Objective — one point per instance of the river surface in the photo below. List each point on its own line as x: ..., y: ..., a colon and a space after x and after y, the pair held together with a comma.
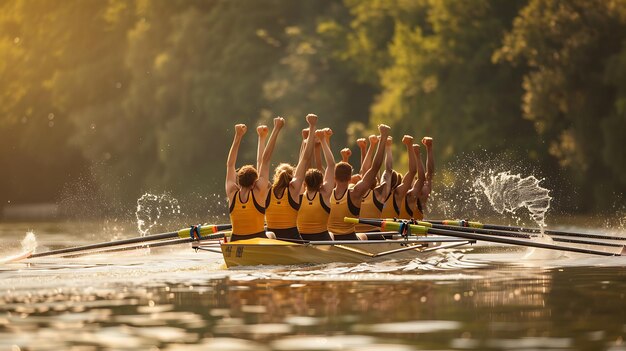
x: 482, y: 297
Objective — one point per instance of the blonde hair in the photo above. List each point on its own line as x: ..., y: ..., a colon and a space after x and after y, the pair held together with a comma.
x: 282, y: 176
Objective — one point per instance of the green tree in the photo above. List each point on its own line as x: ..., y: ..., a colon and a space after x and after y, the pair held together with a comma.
x: 573, y: 88
x: 195, y: 68
x: 50, y: 66
x: 431, y: 63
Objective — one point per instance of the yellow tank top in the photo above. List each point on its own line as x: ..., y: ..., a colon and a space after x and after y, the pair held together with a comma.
x: 313, y: 214
x: 280, y: 213
x: 370, y: 208
x: 416, y: 207
x: 411, y: 210
x: 340, y: 208
x: 390, y: 209
x: 247, y: 217
x: 405, y: 210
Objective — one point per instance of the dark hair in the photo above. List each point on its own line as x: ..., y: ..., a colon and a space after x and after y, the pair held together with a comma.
x: 396, y: 179
x: 282, y: 176
x: 343, y: 171
x: 313, y: 179
x: 246, y: 176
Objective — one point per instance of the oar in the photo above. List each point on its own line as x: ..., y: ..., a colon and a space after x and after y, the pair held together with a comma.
x: 193, y: 233
x: 513, y: 234
x: 471, y: 224
x: 149, y: 245
x: 419, y: 229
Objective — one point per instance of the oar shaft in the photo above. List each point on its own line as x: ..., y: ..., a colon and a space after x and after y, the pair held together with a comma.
x: 107, y: 244
x: 149, y: 245
x: 389, y: 225
x: 472, y: 233
x: 554, y: 232
x: 528, y: 230
x: 183, y: 233
x: 522, y: 235
x: 483, y: 231
x: 519, y: 242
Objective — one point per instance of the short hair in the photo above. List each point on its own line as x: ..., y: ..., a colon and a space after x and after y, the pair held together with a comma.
x: 283, y: 175
x: 313, y: 179
x: 246, y: 176
x: 396, y: 179
x: 343, y: 171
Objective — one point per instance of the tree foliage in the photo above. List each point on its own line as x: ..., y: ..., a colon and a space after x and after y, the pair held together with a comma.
x: 141, y: 95
x: 574, y: 87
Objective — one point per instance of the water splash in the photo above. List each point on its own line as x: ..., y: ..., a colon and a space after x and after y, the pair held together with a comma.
x: 510, y: 192
x: 29, y: 244
x: 151, y: 208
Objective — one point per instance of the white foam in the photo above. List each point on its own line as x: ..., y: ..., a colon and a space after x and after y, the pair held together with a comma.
x: 510, y: 192
x: 29, y: 244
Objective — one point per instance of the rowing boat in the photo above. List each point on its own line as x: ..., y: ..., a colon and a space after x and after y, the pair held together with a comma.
x: 262, y: 251
x: 409, y: 242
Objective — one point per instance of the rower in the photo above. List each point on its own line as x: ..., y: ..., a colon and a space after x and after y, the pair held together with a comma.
x: 427, y: 188
x: 283, y: 199
x: 246, y: 185
x: 314, y: 203
x: 413, y: 205
x: 395, y: 206
x: 345, y: 157
x: 374, y: 200
x: 345, y: 201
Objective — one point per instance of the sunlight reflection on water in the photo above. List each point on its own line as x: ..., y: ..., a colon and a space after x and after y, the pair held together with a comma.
x: 487, y: 297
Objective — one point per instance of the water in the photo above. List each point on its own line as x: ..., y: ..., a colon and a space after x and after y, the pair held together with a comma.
x: 511, y: 192
x: 481, y: 298
x: 484, y: 297
x: 154, y: 209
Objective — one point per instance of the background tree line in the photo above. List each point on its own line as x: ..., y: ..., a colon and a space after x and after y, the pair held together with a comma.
x: 119, y: 97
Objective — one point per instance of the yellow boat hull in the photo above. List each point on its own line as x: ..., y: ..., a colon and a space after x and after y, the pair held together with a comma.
x: 261, y: 251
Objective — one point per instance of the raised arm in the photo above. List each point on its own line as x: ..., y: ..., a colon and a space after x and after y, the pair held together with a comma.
x: 388, y: 156
x: 296, y: 183
x: 360, y: 142
x: 329, y: 175
x: 370, y: 176
x: 419, y: 183
x: 407, y: 181
x: 264, y: 171
x: 369, y: 156
x: 305, y: 136
x: 430, y: 159
x: 385, y: 187
x: 430, y: 170
x: 262, y: 131
x: 318, y: 155
x: 231, y: 173
x: 345, y: 154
